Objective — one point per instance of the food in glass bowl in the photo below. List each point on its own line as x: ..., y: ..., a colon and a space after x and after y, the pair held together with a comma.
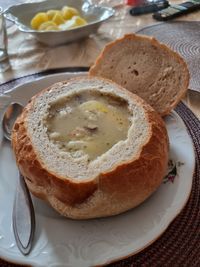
x: 64, y: 19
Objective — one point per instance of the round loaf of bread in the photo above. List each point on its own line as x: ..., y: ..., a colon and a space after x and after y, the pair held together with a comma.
x: 77, y: 185
x: 145, y: 67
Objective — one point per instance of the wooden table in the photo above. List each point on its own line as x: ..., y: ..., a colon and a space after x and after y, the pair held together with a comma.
x: 82, y: 53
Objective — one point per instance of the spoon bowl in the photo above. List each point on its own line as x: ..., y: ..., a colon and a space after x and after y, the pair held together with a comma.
x: 23, y: 216
x: 9, y: 118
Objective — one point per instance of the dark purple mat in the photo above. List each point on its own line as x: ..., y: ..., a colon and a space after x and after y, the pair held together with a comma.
x: 184, y: 38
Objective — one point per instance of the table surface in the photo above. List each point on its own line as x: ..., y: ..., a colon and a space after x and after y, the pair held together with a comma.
x: 27, y: 56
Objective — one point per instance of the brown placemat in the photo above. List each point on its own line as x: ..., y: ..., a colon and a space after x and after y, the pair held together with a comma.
x: 180, y: 244
x: 184, y: 38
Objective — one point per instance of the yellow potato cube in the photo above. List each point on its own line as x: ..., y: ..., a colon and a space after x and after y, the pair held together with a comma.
x: 51, y: 13
x: 69, y: 24
x: 38, y: 19
x: 58, y: 18
x: 69, y: 12
x: 46, y: 25
x: 78, y: 21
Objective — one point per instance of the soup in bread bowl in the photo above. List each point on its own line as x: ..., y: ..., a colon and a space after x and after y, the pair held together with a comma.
x: 90, y: 147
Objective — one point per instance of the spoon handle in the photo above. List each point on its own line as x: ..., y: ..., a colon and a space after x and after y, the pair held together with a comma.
x: 23, y: 217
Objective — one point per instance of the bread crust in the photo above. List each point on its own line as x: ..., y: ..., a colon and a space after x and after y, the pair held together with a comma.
x: 118, y: 189
x: 168, y: 107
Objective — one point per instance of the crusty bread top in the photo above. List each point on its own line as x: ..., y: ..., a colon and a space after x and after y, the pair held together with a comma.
x: 147, y: 68
x: 55, y: 160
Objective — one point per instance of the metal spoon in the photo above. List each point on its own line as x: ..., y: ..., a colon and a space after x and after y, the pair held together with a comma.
x: 23, y: 211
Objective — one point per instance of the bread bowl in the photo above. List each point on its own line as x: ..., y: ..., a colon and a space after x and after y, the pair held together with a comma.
x: 145, y: 67
x: 77, y: 185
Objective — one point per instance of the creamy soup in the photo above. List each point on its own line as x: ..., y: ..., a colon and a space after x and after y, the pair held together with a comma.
x: 88, y: 123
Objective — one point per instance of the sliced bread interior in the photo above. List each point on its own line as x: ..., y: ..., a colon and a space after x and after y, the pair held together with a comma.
x: 112, y: 155
x: 145, y: 67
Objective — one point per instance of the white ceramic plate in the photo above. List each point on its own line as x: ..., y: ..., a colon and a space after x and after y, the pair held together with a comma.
x: 22, y: 14
x: 64, y: 242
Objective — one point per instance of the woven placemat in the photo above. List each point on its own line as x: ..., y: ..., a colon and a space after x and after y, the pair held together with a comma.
x: 180, y: 244
x: 184, y: 38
